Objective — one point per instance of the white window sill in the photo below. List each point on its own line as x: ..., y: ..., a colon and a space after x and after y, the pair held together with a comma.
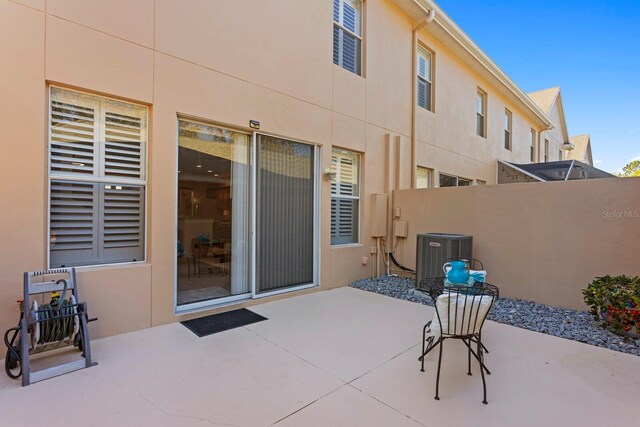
x: 347, y: 245
x: 106, y: 266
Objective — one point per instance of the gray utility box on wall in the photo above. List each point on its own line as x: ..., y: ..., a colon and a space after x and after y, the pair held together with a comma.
x: 434, y: 249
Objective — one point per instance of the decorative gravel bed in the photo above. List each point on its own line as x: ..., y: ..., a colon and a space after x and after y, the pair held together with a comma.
x: 560, y: 322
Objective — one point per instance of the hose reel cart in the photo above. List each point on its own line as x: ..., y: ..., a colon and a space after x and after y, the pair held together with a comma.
x: 48, y: 326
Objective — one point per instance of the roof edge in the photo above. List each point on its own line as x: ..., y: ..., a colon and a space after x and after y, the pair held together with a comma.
x: 448, y: 25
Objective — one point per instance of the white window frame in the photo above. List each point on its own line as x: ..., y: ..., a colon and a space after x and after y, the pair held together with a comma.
x: 546, y: 150
x: 532, y: 145
x: 508, y: 129
x: 430, y: 176
x: 358, y: 35
x: 357, y: 197
x: 458, y: 178
x: 427, y: 55
x: 93, y: 179
x: 481, y: 112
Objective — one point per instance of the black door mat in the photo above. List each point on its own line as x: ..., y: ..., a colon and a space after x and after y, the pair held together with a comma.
x: 215, y: 323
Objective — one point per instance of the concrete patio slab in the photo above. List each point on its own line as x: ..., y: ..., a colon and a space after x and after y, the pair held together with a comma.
x: 341, y: 357
x: 537, y: 380
x: 347, y: 407
x: 344, y: 331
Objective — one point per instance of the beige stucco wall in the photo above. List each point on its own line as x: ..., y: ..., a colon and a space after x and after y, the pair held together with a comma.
x: 540, y: 241
x: 225, y: 64
x: 447, y: 138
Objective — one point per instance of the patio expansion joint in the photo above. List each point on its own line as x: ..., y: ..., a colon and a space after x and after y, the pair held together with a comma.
x: 191, y: 417
x: 345, y: 383
x: 310, y: 403
x: 297, y: 356
x: 350, y: 384
x: 158, y: 408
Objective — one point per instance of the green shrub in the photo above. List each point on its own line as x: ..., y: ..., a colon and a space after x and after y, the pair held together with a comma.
x: 615, y: 301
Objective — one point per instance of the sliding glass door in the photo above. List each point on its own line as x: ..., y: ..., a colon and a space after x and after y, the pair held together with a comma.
x: 247, y: 215
x: 213, y: 213
x: 285, y: 214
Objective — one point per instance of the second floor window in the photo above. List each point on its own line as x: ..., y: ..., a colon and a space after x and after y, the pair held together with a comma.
x: 546, y: 150
x: 481, y: 113
x: 508, y: 119
x: 347, y: 35
x: 559, y: 154
x: 424, y: 72
x: 532, y: 145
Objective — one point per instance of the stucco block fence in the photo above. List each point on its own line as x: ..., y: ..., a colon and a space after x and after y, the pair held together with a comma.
x: 542, y: 242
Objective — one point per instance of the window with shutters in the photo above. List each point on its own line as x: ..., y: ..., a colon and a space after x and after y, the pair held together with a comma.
x: 345, y: 197
x: 347, y: 35
x: 97, y: 179
x: 425, y: 73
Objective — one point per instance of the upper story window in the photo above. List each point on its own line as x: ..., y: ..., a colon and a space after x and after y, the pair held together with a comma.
x: 424, y: 177
x: 97, y: 179
x: 425, y: 73
x: 480, y: 182
x: 345, y: 197
x: 532, y: 145
x: 508, y: 124
x: 559, y: 154
x: 347, y: 35
x: 481, y: 113
x: 546, y: 150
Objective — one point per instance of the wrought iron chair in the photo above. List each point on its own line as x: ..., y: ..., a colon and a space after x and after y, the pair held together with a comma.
x: 473, y: 264
x: 460, y: 314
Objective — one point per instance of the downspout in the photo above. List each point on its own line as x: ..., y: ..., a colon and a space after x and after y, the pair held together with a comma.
x: 414, y: 92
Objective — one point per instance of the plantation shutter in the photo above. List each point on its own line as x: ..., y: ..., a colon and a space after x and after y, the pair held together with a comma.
x: 122, y: 223
x: 73, y: 222
x: 97, y: 179
x: 344, y: 198
x: 124, y: 134
x: 347, y: 33
x: 74, y: 130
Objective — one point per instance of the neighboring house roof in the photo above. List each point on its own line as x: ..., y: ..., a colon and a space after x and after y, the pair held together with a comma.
x: 545, y: 98
x: 452, y: 36
x: 564, y: 170
x: 581, y: 149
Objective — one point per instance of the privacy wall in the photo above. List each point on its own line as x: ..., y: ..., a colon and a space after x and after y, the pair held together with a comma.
x: 540, y: 241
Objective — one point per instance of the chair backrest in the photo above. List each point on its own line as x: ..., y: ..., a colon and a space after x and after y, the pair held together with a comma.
x: 460, y: 310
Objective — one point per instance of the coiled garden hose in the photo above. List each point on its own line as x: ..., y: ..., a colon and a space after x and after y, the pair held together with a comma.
x: 54, y: 327
x: 56, y: 321
x: 12, y: 359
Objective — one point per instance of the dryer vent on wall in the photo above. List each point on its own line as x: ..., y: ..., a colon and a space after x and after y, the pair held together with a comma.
x: 434, y: 249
